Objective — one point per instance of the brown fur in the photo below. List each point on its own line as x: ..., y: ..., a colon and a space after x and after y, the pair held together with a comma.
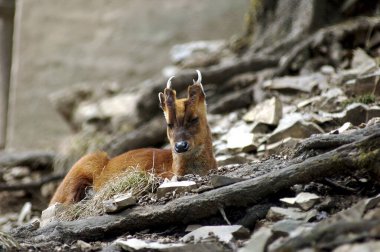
x: 97, y: 169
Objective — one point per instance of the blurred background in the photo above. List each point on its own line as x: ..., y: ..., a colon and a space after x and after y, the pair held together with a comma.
x: 64, y: 43
x: 77, y: 76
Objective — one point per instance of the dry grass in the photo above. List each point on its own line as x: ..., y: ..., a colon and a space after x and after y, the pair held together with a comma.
x: 133, y: 180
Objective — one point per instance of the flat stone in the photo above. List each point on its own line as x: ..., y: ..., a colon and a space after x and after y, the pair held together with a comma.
x: 192, y: 227
x: 362, y: 62
x: 49, y: 214
x: 258, y: 241
x: 356, y: 113
x: 219, y: 181
x: 285, y: 227
x: 363, y: 85
x: 141, y: 245
x: 309, y: 101
x: 119, y: 202
x: 239, y: 158
x: 279, y: 213
x: 304, y: 200
x: 225, y: 234
x: 293, y: 126
x: 260, y: 128
x: 175, y: 187
x: 268, y: 112
x: 296, y: 83
x: 240, y: 139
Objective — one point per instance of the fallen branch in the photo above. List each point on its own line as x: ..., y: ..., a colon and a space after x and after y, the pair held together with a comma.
x: 331, y: 141
x: 31, y: 185
x: 362, y: 154
x: 36, y: 160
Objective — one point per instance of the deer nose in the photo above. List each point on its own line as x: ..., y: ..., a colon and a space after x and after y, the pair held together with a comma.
x: 181, y: 146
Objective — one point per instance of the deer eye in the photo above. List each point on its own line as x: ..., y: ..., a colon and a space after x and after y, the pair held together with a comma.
x: 194, y: 120
x: 170, y: 125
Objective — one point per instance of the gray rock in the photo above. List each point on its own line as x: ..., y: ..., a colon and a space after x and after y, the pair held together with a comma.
x: 285, y: 227
x: 141, y: 245
x: 357, y: 247
x: 258, y: 241
x: 219, y: 181
x: 239, y: 158
x: 355, y: 113
x: 177, y: 187
x: 304, y: 200
x: 268, y: 112
x: 240, y: 139
x: 297, y: 83
x: 182, y: 52
x: 346, y: 126
x: 49, y: 214
x: 260, y: 128
x: 364, y: 84
x: 327, y: 70
x: 288, y: 143
x: 119, y: 202
x: 225, y: 234
x: 111, y: 109
x: 279, y: 213
x: 293, y: 126
x: 362, y: 63
x: 191, y: 228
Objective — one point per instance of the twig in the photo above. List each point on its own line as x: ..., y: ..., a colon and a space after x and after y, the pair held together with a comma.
x: 339, y: 186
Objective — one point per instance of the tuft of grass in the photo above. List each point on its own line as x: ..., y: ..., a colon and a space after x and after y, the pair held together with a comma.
x: 133, y: 180
x: 365, y: 99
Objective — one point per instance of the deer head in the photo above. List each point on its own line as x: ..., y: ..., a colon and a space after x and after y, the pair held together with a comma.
x: 187, y: 128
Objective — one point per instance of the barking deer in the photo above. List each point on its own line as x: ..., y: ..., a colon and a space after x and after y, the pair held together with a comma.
x: 190, y: 153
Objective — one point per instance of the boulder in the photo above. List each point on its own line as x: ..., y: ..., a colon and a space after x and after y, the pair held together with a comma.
x: 294, y: 126
x: 267, y: 112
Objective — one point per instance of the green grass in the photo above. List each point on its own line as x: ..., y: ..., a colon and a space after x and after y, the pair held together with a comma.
x: 365, y: 99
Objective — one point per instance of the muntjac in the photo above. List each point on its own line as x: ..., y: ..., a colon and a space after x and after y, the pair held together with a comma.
x: 190, y: 140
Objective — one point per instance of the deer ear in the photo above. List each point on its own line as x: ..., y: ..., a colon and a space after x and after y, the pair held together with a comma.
x: 195, y: 93
x: 161, y: 97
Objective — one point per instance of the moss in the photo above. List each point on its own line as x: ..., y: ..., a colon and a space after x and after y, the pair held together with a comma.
x: 367, y: 158
x: 365, y: 99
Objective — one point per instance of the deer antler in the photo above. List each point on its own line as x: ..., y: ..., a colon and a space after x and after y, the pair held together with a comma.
x: 169, y: 83
x: 199, y: 77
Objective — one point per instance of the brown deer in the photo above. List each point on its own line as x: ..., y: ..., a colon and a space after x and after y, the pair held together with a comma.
x: 190, y: 140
